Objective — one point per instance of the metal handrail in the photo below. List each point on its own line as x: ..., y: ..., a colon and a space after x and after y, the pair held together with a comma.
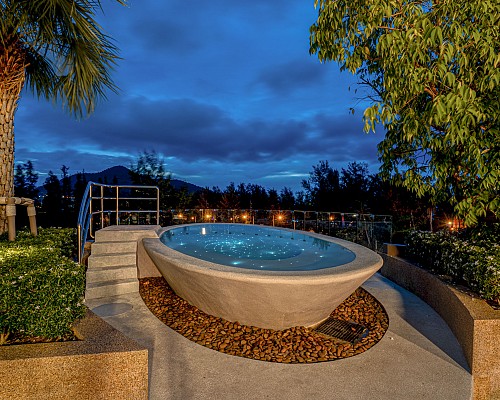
x: 87, y: 213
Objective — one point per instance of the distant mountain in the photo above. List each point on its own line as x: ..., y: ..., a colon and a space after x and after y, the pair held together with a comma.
x: 120, y: 175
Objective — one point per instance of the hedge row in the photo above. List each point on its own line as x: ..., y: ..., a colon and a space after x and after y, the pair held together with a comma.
x: 473, y: 259
x: 41, y: 287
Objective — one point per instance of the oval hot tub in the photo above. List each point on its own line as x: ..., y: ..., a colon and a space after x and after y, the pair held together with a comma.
x: 261, y: 276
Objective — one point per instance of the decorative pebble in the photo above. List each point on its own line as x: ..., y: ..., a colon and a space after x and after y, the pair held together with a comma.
x: 297, y: 344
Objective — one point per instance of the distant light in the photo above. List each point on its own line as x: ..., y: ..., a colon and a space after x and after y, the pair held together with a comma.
x: 203, y: 231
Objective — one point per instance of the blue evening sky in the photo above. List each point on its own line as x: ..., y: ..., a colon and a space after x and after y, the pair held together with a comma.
x: 224, y: 91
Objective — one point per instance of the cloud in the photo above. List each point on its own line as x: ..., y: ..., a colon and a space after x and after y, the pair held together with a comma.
x: 199, y: 141
x: 190, y: 130
x: 225, y: 91
x: 296, y: 75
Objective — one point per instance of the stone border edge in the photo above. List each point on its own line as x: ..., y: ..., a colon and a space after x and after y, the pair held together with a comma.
x: 105, y: 364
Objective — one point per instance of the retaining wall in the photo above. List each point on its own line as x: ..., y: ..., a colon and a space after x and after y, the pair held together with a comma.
x: 475, y: 324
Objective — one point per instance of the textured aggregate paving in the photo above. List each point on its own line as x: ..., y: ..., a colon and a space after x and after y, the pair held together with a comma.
x: 293, y: 345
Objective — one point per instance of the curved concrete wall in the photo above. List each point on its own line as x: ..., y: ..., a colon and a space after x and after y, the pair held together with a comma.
x: 475, y: 324
x: 267, y: 299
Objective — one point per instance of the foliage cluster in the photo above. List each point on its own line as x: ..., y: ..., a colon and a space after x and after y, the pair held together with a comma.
x: 432, y: 69
x: 67, y: 56
x: 61, y: 202
x: 41, y: 287
x: 470, y: 258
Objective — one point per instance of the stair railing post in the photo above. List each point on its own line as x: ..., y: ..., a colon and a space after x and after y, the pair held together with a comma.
x: 117, y: 207
x: 102, y: 207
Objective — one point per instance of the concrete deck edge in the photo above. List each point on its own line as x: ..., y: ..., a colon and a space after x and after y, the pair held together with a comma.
x: 105, y: 364
x: 474, y: 323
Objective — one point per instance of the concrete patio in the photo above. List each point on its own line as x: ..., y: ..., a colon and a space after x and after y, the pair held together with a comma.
x: 418, y: 358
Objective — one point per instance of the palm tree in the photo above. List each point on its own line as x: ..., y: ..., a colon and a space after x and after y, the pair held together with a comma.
x: 59, y: 50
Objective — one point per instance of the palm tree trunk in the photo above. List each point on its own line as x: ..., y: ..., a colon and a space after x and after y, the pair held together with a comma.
x: 12, y: 67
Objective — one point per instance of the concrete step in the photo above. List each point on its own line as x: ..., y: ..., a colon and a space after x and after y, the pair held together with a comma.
x: 114, y: 247
x: 120, y: 233
x: 111, y: 259
x: 103, y: 274
x: 111, y: 288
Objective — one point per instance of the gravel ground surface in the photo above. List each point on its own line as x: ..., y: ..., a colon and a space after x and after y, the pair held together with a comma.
x: 293, y: 345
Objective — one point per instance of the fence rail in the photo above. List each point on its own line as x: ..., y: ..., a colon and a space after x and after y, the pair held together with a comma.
x: 104, y: 205
x: 371, y: 230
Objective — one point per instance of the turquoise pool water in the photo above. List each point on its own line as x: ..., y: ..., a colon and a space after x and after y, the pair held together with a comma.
x: 256, y: 247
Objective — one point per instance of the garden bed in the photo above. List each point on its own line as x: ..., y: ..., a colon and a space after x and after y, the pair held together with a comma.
x: 292, y: 345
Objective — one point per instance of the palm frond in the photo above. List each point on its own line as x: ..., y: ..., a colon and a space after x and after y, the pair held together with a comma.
x: 70, y: 58
x: 40, y: 75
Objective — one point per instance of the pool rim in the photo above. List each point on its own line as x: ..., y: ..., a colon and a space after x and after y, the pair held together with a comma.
x: 363, y: 256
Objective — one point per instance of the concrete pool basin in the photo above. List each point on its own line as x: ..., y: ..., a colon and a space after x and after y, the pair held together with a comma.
x: 263, y: 298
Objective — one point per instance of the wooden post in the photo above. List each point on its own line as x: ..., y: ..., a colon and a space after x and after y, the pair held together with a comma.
x: 32, y: 217
x: 11, y: 217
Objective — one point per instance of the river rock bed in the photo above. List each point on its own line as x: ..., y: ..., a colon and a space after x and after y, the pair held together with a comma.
x: 293, y: 345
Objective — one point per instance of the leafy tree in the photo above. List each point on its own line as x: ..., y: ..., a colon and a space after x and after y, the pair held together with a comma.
x: 183, y: 199
x: 52, y: 201
x: 433, y: 68
x: 323, y: 187
x: 354, y: 182
x: 20, y: 181
x: 287, y: 199
x: 25, y: 181
x: 301, y: 200
x: 258, y: 196
x: 31, y: 180
x: 244, y: 196
x: 273, y: 199
x: 203, y: 198
x: 230, y: 198
x: 79, y: 190
x: 59, y: 50
x: 149, y: 170
x: 66, y: 192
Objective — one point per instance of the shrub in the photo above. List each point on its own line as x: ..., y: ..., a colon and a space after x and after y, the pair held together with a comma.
x: 41, y: 287
x: 469, y: 257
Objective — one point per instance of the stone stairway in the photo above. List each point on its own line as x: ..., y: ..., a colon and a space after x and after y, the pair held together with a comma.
x: 112, y: 264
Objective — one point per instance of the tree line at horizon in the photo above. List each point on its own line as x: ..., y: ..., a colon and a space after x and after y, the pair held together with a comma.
x: 351, y: 189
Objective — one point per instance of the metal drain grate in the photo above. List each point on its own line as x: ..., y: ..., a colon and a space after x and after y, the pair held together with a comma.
x: 343, y: 330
